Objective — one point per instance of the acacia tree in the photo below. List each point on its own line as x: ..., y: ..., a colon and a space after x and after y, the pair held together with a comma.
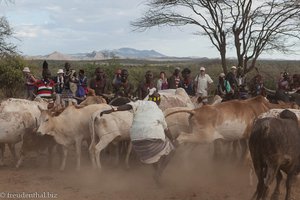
x: 6, y: 33
x: 251, y: 27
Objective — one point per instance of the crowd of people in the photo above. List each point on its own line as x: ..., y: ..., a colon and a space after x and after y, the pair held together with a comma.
x: 150, y: 137
x: 70, y: 84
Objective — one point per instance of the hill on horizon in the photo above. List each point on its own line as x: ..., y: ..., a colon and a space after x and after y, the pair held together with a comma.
x: 123, y: 53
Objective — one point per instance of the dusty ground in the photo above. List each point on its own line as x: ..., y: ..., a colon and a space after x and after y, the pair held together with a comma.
x: 187, y: 177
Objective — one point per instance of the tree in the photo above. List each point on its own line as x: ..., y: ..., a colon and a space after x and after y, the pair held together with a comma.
x: 6, y: 33
x: 11, y: 76
x: 250, y: 27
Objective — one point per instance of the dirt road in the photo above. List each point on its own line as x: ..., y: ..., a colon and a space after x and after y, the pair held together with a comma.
x: 189, y: 176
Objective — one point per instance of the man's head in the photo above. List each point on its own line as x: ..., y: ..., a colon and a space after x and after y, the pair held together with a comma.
x: 67, y: 66
x: 202, y: 70
x: 81, y: 72
x: 155, y: 97
x: 99, y: 73
x: 222, y: 75
x: 186, y: 73
x: 124, y: 75
x: 177, y: 71
x: 149, y: 76
x: 26, y: 70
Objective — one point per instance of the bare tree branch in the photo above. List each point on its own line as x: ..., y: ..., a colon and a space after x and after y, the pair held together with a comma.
x: 251, y: 27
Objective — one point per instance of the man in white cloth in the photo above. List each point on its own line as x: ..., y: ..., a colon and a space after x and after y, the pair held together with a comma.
x: 202, y: 84
x: 149, y: 134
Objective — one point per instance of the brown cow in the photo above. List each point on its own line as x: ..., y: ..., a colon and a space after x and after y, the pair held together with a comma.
x: 231, y: 120
x: 274, y: 147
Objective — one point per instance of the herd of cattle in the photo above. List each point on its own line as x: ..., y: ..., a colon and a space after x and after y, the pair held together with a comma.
x: 273, y: 135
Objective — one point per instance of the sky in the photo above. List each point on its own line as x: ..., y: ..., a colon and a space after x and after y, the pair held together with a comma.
x: 77, y: 26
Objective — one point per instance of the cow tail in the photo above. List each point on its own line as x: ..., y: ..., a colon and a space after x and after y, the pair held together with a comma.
x: 92, y: 131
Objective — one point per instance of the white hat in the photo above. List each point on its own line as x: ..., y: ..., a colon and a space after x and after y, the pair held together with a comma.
x: 26, y: 69
x: 202, y: 69
x: 60, y: 71
x: 233, y: 67
x: 177, y: 68
x: 222, y: 75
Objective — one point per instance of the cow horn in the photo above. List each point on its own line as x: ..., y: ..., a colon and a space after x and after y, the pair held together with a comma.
x: 191, y: 112
x: 40, y: 108
x: 270, y: 91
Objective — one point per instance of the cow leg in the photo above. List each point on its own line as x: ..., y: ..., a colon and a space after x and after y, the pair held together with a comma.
x: 244, y: 149
x: 217, y: 149
x: 64, y: 158
x: 2, y: 149
x: 271, y: 173
x: 78, y: 153
x: 290, y: 182
x: 59, y: 150
x: 129, y: 148
x: 117, y: 152
x: 13, y: 151
x: 103, y: 142
x: 21, y: 159
x: 50, y: 155
x: 258, y: 166
x: 275, y: 195
x: 235, y: 145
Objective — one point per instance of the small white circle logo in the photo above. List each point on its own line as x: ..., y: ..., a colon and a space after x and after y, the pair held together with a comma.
x: 2, y: 195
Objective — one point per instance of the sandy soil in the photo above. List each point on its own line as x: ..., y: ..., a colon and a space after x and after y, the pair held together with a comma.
x: 190, y: 175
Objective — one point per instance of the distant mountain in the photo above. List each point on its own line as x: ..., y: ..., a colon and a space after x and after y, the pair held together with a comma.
x: 133, y: 53
x: 104, y: 54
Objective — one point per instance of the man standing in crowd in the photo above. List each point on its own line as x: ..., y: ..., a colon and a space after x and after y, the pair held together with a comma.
x: 29, y: 83
x: 45, y: 88
x: 187, y: 83
x: 100, y: 83
x: 202, y: 84
x: 173, y: 81
x: 232, y: 79
x: 145, y: 86
x: 123, y: 88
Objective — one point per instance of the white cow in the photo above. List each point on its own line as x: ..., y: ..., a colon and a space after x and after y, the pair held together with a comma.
x: 69, y: 127
x: 174, y: 98
x: 15, y: 116
x: 108, y: 128
x: 177, y: 122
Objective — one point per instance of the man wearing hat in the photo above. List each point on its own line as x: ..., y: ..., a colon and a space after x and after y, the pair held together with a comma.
x: 174, y: 80
x: 29, y: 83
x: 149, y: 134
x: 202, y: 84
